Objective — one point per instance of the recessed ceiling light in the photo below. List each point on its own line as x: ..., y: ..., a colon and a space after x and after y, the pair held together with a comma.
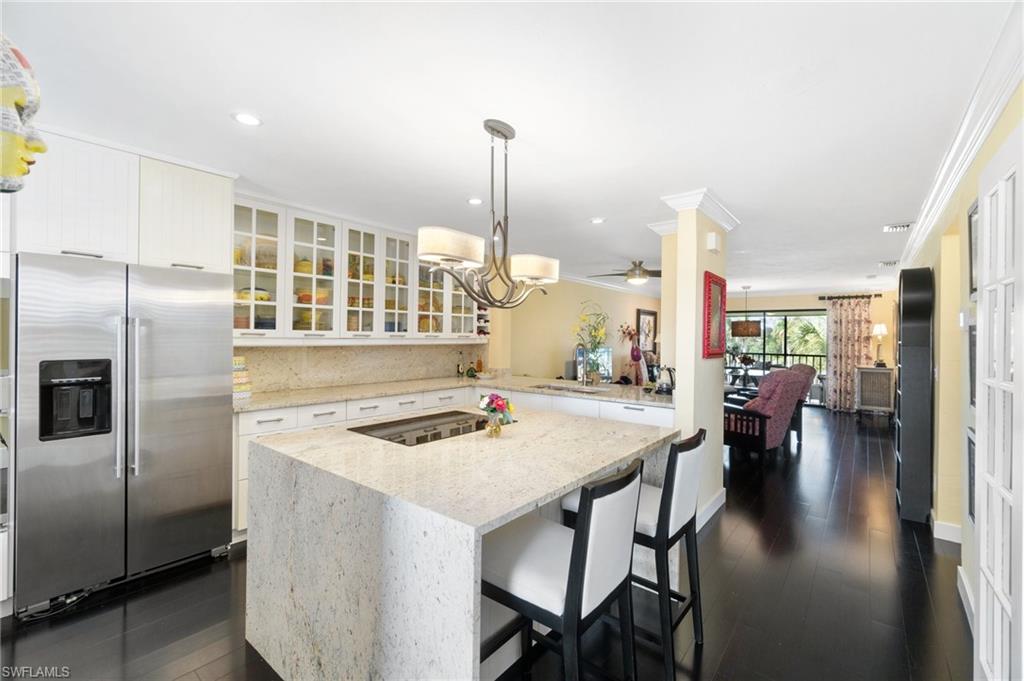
x: 474, y: 201
x: 247, y: 118
x: 596, y: 221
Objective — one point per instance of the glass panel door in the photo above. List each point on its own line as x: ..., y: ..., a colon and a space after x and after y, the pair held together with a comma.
x: 463, y: 311
x: 314, y: 246
x: 430, y: 301
x: 396, y: 285
x: 360, y: 277
x: 255, y: 269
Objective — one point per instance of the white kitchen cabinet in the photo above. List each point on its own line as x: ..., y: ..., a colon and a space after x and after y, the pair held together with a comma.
x: 314, y: 242
x: 457, y: 397
x: 531, y: 401
x: 431, y: 302
x: 576, y: 406
x: 635, y: 413
x: 321, y: 414
x: 184, y: 217
x: 258, y: 269
x: 360, y: 287
x: 460, y: 319
x: 242, y: 505
x: 267, y: 421
x: 399, y: 261
x: 5, y: 570
x: 81, y: 199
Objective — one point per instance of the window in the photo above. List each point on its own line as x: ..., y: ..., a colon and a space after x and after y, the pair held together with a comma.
x: 787, y: 338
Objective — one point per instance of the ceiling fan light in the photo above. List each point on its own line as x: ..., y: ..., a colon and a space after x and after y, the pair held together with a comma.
x: 636, y: 279
x: 449, y: 247
x: 534, y: 269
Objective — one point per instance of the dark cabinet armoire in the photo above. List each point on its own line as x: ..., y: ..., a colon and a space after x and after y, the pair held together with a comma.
x: 914, y: 394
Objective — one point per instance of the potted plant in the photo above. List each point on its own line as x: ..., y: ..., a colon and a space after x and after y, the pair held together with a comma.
x: 591, y: 333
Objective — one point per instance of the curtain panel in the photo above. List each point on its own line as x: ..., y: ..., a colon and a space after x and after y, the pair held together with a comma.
x: 849, y: 346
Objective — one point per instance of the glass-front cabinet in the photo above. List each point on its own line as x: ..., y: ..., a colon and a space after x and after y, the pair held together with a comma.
x: 360, y: 285
x: 314, y: 243
x: 430, y: 302
x: 397, y: 285
x: 463, y: 313
x: 259, y: 242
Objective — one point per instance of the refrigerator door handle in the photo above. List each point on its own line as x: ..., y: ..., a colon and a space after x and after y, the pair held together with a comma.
x: 136, y: 400
x: 120, y: 386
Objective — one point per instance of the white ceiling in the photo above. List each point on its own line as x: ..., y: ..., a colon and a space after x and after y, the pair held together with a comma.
x: 814, y: 124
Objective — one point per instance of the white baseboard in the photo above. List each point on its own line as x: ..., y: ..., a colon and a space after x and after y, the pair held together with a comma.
x: 708, y: 510
x: 966, y: 599
x: 945, y: 531
x: 6, y: 607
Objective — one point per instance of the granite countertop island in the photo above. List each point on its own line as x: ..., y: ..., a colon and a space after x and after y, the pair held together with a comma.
x: 364, y: 555
x: 629, y: 394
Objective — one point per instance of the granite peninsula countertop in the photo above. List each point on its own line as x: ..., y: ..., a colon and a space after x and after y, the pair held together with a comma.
x: 479, y: 481
x: 277, y: 399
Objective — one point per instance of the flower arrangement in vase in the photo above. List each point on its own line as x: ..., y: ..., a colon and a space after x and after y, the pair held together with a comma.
x: 499, y: 412
x: 629, y: 334
x: 591, y: 332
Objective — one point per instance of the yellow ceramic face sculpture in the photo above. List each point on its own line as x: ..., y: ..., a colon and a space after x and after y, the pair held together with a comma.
x: 19, y: 102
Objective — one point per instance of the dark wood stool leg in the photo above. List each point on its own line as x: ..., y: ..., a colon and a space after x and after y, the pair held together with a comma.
x: 572, y: 661
x: 665, y: 608
x: 626, y: 630
x: 694, y: 570
x: 525, y: 644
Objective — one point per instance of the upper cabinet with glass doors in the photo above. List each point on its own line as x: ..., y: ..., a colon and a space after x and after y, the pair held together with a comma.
x: 430, y: 302
x: 361, y: 279
x: 463, y: 312
x: 314, y: 244
x: 259, y: 243
x: 398, y: 266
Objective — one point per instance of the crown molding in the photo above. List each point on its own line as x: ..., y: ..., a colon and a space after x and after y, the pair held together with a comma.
x: 1002, y: 75
x: 621, y: 288
x: 665, y: 227
x: 706, y: 202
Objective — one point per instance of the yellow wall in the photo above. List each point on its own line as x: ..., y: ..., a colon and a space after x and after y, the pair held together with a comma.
x: 541, y: 328
x: 883, y: 310
x: 953, y: 413
x: 499, y: 343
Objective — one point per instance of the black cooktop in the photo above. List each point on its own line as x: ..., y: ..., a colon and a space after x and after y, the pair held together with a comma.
x: 419, y: 430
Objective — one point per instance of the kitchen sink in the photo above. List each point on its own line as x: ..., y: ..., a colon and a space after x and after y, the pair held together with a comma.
x: 587, y: 390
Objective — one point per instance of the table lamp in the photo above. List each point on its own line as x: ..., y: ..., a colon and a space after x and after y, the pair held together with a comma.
x: 879, y: 331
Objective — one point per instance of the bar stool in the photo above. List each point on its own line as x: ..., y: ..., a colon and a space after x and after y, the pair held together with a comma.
x: 566, y: 579
x: 664, y: 516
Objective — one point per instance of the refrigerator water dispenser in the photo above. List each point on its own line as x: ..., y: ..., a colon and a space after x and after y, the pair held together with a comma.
x: 74, y: 398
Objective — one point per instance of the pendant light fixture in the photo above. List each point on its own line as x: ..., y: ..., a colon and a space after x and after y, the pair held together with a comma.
x: 746, y: 328
x: 492, y: 281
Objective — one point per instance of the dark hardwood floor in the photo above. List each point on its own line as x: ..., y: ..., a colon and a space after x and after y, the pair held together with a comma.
x: 807, y: 574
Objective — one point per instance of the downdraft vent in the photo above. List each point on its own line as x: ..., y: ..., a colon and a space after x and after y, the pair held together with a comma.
x: 897, y: 227
x: 888, y: 263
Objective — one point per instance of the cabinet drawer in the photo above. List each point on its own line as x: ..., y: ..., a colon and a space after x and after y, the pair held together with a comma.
x: 242, y: 505
x: 266, y: 421
x: 576, y: 406
x: 364, y: 409
x: 458, y: 397
x: 320, y: 414
x: 635, y: 413
x: 531, y: 401
x: 410, y: 402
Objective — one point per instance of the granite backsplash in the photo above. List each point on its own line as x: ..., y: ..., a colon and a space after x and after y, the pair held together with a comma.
x: 318, y: 367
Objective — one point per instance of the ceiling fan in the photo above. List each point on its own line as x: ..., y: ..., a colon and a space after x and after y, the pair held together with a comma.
x: 635, y: 274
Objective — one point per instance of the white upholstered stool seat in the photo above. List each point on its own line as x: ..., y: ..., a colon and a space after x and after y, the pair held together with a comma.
x: 529, y: 558
x: 646, y: 513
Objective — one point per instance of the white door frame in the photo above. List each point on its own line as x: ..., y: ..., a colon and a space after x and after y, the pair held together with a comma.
x: 999, y: 471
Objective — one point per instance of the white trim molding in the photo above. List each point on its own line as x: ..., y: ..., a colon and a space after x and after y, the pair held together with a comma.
x: 664, y: 228
x: 708, y: 510
x: 706, y: 202
x: 966, y: 598
x: 622, y: 288
x: 1002, y: 75
x: 947, y: 532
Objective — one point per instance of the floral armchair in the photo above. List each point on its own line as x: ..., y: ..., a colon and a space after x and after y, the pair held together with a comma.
x: 763, y: 423
x: 809, y: 373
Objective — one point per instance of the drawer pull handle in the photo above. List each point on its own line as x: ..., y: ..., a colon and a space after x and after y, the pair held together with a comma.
x: 634, y: 408
x: 188, y: 266
x: 406, y: 403
x: 369, y: 406
x: 260, y: 422
x: 431, y: 335
x: 253, y: 333
x: 445, y: 397
x: 318, y: 414
x: 360, y: 335
x: 397, y: 335
x: 87, y: 254
x: 317, y: 335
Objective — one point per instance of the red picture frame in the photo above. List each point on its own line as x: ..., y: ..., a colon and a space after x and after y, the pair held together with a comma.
x: 714, y: 316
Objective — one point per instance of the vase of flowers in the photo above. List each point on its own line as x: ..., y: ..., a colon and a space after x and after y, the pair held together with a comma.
x: 592, y: 333
x: 499, y: 413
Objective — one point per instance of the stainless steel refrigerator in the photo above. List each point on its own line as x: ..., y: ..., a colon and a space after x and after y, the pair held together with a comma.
x: 122, y: 421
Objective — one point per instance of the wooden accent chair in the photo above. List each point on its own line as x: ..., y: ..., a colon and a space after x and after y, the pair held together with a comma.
x: 762, y: 424
x: 809, y: 373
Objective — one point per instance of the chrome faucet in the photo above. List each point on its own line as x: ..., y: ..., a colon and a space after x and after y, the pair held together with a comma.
x: 581, y: 369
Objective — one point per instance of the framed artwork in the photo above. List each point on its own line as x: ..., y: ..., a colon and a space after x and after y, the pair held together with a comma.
x: 714, y: 315
x: 647, y: 327
x: 973, y: 235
